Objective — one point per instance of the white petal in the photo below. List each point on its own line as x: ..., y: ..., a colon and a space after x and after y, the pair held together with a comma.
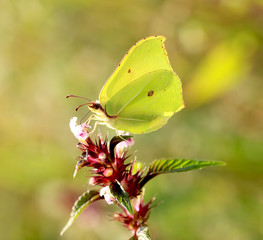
x: 79, y: 131
x: 105, y: 192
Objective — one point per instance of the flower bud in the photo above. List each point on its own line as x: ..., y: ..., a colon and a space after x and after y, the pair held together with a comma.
x: 108, y: 172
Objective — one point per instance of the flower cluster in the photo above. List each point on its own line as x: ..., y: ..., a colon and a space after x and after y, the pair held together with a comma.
x: 137, y: 220
x: 107, y: 163
x: 121, y: 182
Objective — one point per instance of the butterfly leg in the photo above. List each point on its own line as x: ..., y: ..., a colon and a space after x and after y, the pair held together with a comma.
x: 91, y: 117
x: 94, y: 127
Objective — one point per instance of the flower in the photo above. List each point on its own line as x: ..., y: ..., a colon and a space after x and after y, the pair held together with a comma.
x: 131, y: 180
x: 106, y: 193
x: 106, y: 160
x: 79, y: 131
x: 122, y: 147
x: 139, y: 217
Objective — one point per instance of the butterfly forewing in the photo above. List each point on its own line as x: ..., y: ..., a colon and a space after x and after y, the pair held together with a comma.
x: 145, y: 56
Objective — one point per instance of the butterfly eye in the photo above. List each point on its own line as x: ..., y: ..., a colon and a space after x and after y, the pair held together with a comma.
x: 95, y: 105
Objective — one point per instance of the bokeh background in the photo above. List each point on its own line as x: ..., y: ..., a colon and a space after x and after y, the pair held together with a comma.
x: 49, y: 49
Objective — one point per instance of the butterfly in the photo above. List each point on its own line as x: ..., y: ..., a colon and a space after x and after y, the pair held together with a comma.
x: 142, y: 93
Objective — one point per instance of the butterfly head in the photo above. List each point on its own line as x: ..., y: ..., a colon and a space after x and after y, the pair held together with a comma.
x: 99, y: 113
x: 96, y: 108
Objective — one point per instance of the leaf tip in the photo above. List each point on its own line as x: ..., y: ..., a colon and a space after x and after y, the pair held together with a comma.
x: 219, y: 163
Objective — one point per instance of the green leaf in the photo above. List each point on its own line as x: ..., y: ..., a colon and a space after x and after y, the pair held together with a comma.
x: 179, y: 165
x: 121, y: 196
x: 82, y: 203
x: 175, y: 165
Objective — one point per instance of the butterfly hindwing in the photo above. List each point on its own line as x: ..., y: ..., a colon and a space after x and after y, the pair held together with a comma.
x: 147, y: 103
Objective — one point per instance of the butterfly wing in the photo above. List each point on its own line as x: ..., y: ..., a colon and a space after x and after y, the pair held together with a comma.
x: 145, y: 56
x: 147, y: 103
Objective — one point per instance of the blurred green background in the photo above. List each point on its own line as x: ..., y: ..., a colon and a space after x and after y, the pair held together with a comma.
x: 52, y: 48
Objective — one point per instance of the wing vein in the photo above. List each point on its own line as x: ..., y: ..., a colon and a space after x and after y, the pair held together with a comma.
x: 125, y: 105
x: 144, y: 106
x: 133, y: 119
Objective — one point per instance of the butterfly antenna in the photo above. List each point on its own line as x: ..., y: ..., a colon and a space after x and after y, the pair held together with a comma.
x: 77, y: 108
x: 80, y: 122
x: 68, y: 96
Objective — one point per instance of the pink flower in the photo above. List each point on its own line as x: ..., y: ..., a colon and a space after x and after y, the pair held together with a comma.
x: 139, y: 217
x: 122, y: 147
x: 79, y: 131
